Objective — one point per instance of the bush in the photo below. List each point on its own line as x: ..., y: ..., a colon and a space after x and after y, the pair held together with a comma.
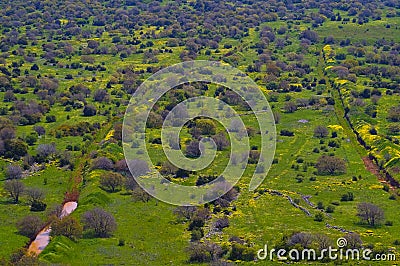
x: 204, y: 252
x: 287, y: 133
x: 89, y: 110
x: 139, y: 194
x: 222, y: 223
x: 111, y: 181
x: 349, y: 196
x: 196, y: 234
x: 121, y: 242
x: 38, y: 206
x: 386, y: 188
x: 319, y: 217
x: 193, y: 150
x: 330, y: 209
x: 51, y: 118
x: 242, y: 252
x: 68, y: 226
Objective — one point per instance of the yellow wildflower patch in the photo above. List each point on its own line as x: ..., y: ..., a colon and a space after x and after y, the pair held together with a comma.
x: 110, y: 134
x: 376, y: 187
x: 341, y: 81
x: 335, y: 127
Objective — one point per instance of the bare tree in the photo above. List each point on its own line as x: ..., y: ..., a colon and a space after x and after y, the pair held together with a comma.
x: 290, y: 107
x: 277, y: 116
x: 102, y: 163
x: 130, y: 183
x: 35, y: 195
x: 180, y: 114
x: 321, y: 132
x: 185, y: 212
x: 139, y: 194
x: 46, y: 150
x: 221, y: 141
x: 330, y: 165
x: 323, y: 241
x: 353, y: 240
x: 235, y: 125
x: 304, y: 239
x: 138, y: 167
x: 100, y: 221
x: 100, y: 95
x: 13, y: 171
x: 370, y: 213
x: 192, y: 149
x: 15, y: 188
x: 29, y: 226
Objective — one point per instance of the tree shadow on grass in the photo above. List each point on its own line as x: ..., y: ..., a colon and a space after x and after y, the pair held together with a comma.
x: 90, y: 234
x: 367, y: 226
x: 9, y: 201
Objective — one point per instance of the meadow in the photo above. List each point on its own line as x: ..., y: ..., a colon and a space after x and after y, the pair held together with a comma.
x: 318, y: 67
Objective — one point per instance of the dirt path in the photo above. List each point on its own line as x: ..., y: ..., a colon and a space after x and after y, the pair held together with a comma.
x: 373, y: 169
x: 43, y: 238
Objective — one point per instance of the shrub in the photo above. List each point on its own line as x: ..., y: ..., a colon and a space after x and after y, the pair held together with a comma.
x: 319, y: 217
x: 111, y: 181
x: 193, y: 150
x: 349, y: 196
x: 287, y: 133
x: 139, y: 194
x: 222, y: 223
x: 290, y: 107
x: 330, y: 209
x: 204, y: 252
x: 89, y: 110
x: 38, y: 206
x: 121, y: 242
x: 68, y: 226
x: 242, y: 252
x: 51, y: 118
x: 196, y: 234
